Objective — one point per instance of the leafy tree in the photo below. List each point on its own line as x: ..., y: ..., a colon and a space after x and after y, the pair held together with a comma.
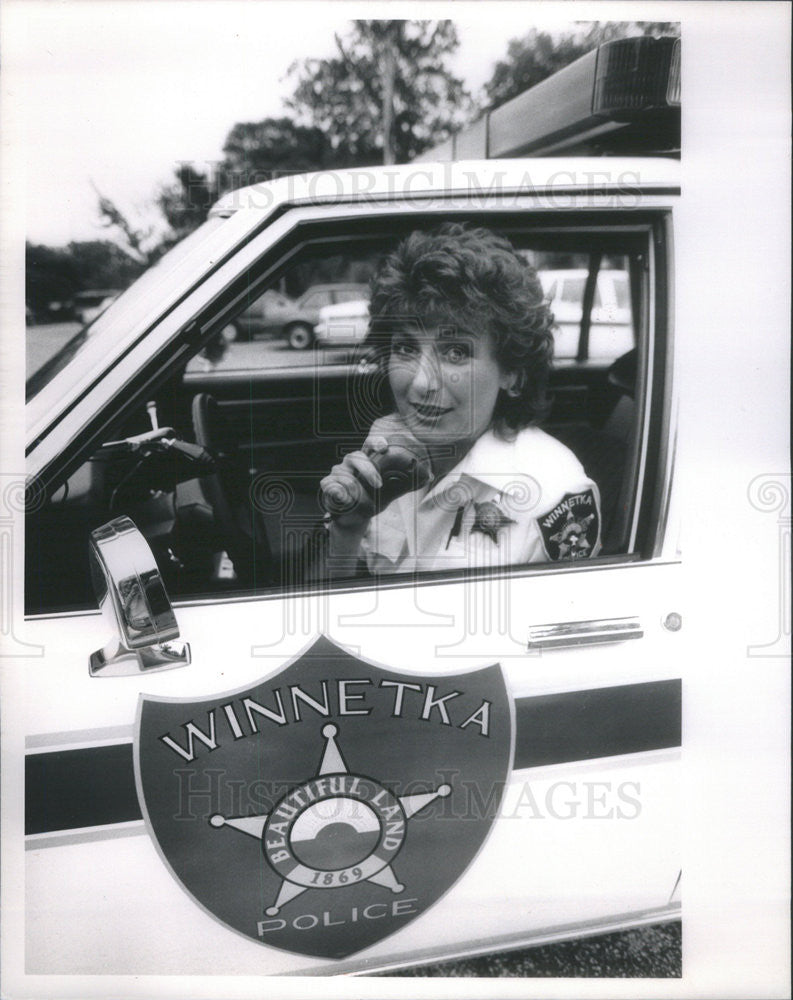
x: 185, y: 203
x: 111, y: 216
x: 538, y: 55
x: 259, y: 151
x: 388, y: 93
x: 54, y: 274
x: 51, y: 275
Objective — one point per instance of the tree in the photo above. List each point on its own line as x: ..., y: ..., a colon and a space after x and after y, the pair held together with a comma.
x: 51, y: 275
x: 259, y: 151
x: 185, y: 204
x: 387, y: 95
x: 538, y: 54
x: 54, y: 274
x: 111, y: 216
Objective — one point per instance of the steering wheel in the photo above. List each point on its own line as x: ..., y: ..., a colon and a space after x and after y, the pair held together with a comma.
x: 226, y: 491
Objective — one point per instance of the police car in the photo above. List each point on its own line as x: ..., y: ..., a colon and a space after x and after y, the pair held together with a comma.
x: 233, y: 770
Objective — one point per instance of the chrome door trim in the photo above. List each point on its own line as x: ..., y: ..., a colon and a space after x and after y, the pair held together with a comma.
x: 587, y: 633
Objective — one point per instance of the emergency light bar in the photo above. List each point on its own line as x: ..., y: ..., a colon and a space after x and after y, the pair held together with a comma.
x: 622, y: 97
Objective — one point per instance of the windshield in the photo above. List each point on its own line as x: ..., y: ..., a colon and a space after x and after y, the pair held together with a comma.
x: 48, y: 366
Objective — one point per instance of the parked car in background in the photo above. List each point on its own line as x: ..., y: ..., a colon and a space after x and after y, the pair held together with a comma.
x: 267, y: 315
x: 90, y: 303
x: 276, y: 314
x: 611, y: 324
x: 343, y: 324
x: 299, y: 330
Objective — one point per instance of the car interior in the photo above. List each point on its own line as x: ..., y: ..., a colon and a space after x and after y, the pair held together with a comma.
x: 220, y: 469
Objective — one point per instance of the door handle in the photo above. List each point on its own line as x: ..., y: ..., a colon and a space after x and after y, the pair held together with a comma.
x: 588, y: 633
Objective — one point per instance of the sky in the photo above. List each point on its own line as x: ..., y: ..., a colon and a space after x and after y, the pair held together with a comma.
x: 115, y: 93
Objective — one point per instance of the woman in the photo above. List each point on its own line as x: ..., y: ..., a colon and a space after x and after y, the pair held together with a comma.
x: 459, y: 475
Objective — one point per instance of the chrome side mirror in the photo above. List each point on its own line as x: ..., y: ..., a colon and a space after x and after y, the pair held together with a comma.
x: 132, y: 598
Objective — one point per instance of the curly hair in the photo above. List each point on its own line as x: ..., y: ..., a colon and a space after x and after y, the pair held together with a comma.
x: 454, y: 275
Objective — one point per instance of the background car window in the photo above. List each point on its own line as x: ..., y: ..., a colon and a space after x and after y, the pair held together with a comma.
x: 347, y: 295
x: 573, y: 291
x: 621, y: 291
x: 611, y: 331
x: 316, y: 300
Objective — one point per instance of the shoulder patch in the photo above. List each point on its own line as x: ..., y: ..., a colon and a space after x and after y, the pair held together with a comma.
x: 572, y: 529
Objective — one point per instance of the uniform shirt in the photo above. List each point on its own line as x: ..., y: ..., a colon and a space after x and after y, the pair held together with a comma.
x: 505, y: 503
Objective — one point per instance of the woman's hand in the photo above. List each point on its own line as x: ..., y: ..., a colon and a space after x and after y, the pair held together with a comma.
x: 347, y: 492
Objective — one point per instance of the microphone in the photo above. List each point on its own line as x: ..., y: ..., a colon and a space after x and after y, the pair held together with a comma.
x: 404, y: 466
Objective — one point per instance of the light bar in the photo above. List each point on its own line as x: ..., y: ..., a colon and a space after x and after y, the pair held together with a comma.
x: 625, y: 89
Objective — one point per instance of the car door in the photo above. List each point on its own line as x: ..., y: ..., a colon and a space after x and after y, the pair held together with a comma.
x: 558, y: 819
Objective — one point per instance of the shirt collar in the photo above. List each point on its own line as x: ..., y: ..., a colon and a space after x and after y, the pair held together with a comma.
x: 487, y: 461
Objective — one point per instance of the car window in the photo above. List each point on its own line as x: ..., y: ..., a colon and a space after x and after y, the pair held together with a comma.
x: 350, y: 294
x: 621, y: 295
x: 611, y: 331
x: 572, y: 291
x: 316, y: 300
x: 277, y: 418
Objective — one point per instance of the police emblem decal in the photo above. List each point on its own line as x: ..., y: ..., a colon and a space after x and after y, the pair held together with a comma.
x: 325, y: 807
x: 572, y: 529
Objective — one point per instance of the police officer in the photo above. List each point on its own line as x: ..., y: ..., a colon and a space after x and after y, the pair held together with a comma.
x: 459, y: 475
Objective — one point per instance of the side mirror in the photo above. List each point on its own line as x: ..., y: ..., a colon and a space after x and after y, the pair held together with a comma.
x: 132, y: 598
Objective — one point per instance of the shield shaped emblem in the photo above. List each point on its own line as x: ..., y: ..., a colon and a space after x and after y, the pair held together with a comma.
x: 323, y: 808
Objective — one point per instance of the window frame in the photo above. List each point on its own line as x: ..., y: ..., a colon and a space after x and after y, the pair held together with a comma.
x: 650, y: 458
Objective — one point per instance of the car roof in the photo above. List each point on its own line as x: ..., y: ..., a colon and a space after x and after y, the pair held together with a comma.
x: 352, y: 308
x: 96, y: 293
x: 424, y: 181
x: 331, y: 286
x: 576, y: 272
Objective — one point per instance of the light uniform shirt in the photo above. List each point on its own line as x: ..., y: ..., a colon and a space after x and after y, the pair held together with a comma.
x: 506, y: 503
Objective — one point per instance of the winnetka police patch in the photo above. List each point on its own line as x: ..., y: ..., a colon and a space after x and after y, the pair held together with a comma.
x: 323, y: 808
x: 572, y: 529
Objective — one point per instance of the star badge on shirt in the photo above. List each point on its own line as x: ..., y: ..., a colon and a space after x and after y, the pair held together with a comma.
x: 490, y: 519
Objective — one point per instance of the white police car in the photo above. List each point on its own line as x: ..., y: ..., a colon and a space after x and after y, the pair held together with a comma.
x: 354, y: 776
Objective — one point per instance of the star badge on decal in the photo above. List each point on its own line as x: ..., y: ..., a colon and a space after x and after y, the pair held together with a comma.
x: 333, y: 830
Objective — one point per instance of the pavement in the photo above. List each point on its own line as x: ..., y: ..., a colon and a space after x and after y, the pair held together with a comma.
x: 46, y: 339
x: 648, y: 952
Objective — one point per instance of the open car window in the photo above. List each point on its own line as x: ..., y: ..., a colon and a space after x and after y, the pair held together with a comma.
x: 278, y: 392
